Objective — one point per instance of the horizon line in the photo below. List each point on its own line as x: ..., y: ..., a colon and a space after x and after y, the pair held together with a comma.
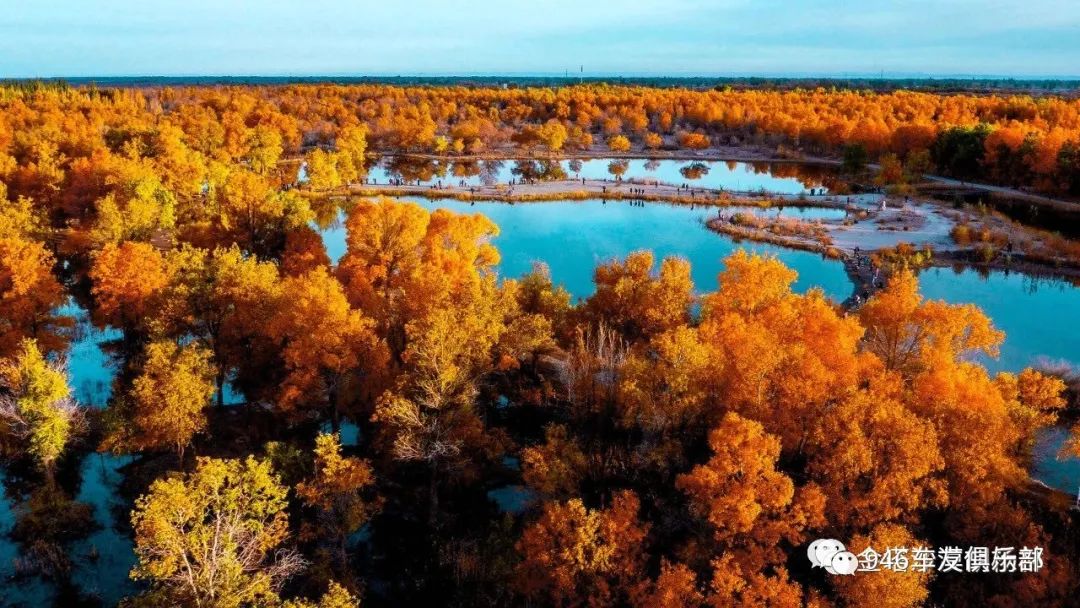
x: 571, y: 75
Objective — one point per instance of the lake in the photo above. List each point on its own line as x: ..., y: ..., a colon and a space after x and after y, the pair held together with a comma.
x: 1038, y: 315
x: 734, y: 176
x: 573, y: 237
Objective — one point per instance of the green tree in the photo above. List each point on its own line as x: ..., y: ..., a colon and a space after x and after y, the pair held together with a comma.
x: 959, y: 151
x: 855, y: 158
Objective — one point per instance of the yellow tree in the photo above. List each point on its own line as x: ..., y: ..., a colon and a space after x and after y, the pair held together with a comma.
x: 675, y: 587
x: 750, y: 506
x: 637, y: 302
x: 253, y: 214
x: 875, y: 460
x: 885, y: 588
x: 403, y: 263
x: 168, y: 399
x: 664, y: 382
x: 1034, y: 400
x: 619, y: 143
x: 890, y: 172
x: 223, y: 297
x: 555, y: 468
x: 127, y: 281
x: 36, y: 412
x: 653, y: 141
x: 927, y: 342
x: 776, y: 357
x: 137, y: 206
x: 430, y: 414
x: 336, y: 596
x: 19, y: 218
x: 264, y: 149
x: 428, y: 279
x: 907, y: 333
x: 304, y: 251
x: 351, y: 145
x: 214, y: 537
x: 322, y: 170
x: 735, y: 586
x: 384, y: 257
x: 337, y: 493
x: 977, y: 440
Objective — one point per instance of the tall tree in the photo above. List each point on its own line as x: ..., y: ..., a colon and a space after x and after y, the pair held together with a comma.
x: 573, y: 555
x: 750, y: 506
x: 128, y: 280
x: 340, y: 493
x: 639, y: 303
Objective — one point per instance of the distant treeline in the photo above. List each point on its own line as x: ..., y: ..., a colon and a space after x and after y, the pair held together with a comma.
x: 957, y: 84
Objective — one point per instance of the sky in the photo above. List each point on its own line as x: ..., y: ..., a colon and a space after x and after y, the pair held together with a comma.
x: 57, y: 38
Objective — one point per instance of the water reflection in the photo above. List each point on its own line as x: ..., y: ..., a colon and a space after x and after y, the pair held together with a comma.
x: 780, y: 178
x: 90, y: 364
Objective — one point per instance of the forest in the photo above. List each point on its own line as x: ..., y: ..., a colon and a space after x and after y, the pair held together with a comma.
x: 677, y: 448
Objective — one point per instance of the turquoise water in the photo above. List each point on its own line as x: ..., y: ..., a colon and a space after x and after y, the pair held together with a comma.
x: 1038, y: 316
x: 91, y: 370
x: 779, y: 178
x: 1062, y: 474
x: 30, y: 592
x: 513, y: 499
x: 573, y: 237
x: 348, y: 432
x: 103, y: 560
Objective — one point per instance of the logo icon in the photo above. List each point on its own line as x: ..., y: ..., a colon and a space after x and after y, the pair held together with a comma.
x: 832, y: 555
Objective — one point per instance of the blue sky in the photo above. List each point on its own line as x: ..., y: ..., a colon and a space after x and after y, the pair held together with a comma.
x: 44, y: 38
